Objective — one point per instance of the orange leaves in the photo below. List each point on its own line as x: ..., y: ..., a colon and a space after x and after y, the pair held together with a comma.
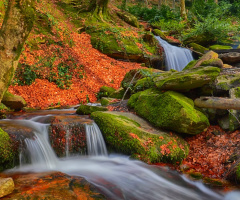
x: 97, y: 70
x: 134, y: 136
x: 210, y: 150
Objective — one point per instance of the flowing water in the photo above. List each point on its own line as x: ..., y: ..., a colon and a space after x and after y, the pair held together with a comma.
x: 116, y: 176
x: 175, y: 57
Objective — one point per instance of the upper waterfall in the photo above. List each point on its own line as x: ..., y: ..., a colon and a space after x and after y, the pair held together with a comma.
x: 176, y: 57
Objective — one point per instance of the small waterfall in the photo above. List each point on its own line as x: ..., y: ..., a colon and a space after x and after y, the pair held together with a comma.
x: 176, y: 57
x: 95, y: 142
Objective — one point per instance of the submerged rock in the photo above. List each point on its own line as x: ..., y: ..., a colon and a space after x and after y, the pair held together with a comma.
x: 52, y: 185
x: 6, y: 186
x: 169, y: 110
x: 127, y: 133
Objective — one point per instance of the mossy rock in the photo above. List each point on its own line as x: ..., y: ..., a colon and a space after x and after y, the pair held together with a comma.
x: 190, y: 65
x: 118, y: 94
x: 128, y: 134
x: 128, y: 18
x: 198, y: 47
x: 136, y: 74
x: 107, y: 101
x: 219, y: 47
x: 187, y: 79
x: 87, y: 110
x: 7, y: 154
x: 159, y: 33
x: 13, y: 101
x: 143, y: 84
x: 105, y: 91
x: 217, y: 62
x: 169, y: 110
x: 227, y: 81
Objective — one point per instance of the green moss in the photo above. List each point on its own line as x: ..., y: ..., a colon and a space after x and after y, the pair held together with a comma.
x: 127, y: 136
x: 219, y: 47
x: 144, y: 84
x: 118, y: 94
x: 159, y: 33
x: 169, y: 110
x: 198, y: 47
x: 190, y: 65
x: 6, y: 152
x: 106, y: 101
x: 226, y: 82
x: 187, y: 79
x: 87, y: 110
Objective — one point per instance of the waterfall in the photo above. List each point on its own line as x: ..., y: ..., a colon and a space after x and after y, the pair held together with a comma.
x: 176, y: 57
x: 95, y: 142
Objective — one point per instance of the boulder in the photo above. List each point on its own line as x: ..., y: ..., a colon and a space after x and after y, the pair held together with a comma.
x: 217, y: 62
x: 6, y: 186
x: 129, y: 134
x: 13, y: 101
x: 7, y: 153
x: 131, y: 78
x: 118, y: 94
x: 187, y: 79
x: 143, y: 84
x: 230, y: 58
x: 226, y: 81
x: 105, y: 91
x: 87, y: 110
x: 128, y: 18
x: 107, y: 101
x: 67, y: 135
x: 198, y: 47
x: 169, y: 110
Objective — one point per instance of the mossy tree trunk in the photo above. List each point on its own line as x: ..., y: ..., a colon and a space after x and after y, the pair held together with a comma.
x: 101, y: 7
x: 183, y: 9
x: 17, y: 24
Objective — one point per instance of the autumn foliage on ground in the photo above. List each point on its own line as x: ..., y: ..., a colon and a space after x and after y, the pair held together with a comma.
x: 66, y: 69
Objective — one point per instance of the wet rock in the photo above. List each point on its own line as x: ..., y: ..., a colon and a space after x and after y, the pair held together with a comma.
x: 6, y: 186
x: 230, y: 58
x: 87, y: 109
x: 68, y: 135
x: 129, y: 134
x: 13, y: 101
x: 52, y: 185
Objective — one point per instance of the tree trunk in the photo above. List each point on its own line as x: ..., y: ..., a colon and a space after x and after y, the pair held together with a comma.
x: 183, y: 10
x: 217, y: 103
x: 17, y: 24
x: 216, y: 1
x: 159, y: 4
x: 101, y: 7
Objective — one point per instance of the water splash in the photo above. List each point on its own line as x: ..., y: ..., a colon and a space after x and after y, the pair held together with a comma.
x: 176, y: 57
x: 95, y: 142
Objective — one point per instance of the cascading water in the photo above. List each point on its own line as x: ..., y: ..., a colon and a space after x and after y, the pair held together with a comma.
x: 116, y: 176
x: 95, y: 142
x: 176, y: 57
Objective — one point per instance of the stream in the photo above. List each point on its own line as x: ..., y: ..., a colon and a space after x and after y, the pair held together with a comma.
x: 117, y: 176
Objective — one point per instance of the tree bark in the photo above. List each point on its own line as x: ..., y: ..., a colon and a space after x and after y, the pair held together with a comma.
x: 183, y: 10
x: 217, y: 103
x: 17, y: 24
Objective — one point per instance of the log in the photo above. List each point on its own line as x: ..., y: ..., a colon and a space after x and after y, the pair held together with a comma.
x: 217, y: 103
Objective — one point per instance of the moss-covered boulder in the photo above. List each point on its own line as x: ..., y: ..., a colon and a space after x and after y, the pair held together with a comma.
x: 131, y: 78
x: 6, y: 186
x: 107, y: 101
x: 13, y: 101
x: 126, y: 133
x: 105, y: 91
x: 169, y: 110
x: 118, y: 94
x: 129, y: 18
x: 190, y: 65
x: 226, y: 81
x: 7, y: 153
x: 219, y: 47
x: 159, y: 33
x: 198, y: 47
x: 217, y: 62
x: 87, y: 110
x: 143, y: 84
x: 187, y: 79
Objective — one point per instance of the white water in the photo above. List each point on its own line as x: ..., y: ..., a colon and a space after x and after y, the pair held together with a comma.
x: 95, y: 142
x: 175, y: 57
x: 116, y: 176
